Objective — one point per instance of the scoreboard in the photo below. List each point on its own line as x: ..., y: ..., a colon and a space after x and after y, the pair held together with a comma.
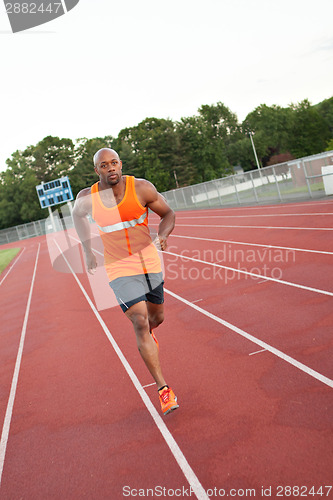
x: 54, y: 192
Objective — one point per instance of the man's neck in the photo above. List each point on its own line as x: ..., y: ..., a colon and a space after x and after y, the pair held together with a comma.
x: 117, y: 189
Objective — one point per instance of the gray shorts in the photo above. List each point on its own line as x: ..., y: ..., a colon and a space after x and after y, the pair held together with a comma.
x: 130, y: 290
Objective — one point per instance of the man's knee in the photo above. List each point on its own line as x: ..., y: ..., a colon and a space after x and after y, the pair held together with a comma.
x: 139, y: 320
x: 156, y: 319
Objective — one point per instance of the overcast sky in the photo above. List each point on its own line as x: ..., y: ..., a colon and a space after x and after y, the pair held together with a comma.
x: 108, y: 64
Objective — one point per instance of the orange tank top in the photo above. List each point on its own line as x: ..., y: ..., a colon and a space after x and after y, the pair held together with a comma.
x: 128, y: 247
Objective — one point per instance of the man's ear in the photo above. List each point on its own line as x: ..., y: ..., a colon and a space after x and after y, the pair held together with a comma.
x: 95, y: 168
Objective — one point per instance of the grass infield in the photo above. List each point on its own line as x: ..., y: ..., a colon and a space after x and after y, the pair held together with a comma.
x: 6, y: 256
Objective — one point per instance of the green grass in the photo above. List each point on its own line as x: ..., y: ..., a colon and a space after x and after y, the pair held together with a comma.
x: 318, y: 186
x: 6, y: 256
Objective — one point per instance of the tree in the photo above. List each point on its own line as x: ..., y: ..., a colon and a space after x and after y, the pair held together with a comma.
x: 241, y: 153
x: 18, y: 198
x: 330, y: 145
x: 126, y: 155
x: 221, y: 129
x: 271, y: 126
x: 325, y: 109
x: 281, y: 158
x: 51, y: 158
x: 204, y: 140
x: 195, y: 149
x: 310, y: 131
x: 150, y: 150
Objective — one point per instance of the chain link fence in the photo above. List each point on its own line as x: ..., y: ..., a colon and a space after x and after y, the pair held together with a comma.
x: 305, y: 178
x: 40, y: 227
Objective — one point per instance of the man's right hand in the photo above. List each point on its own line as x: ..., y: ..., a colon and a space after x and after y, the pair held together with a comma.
x: 91, y: 262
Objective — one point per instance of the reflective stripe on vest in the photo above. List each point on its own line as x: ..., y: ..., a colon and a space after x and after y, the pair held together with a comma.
x: 123, y: 225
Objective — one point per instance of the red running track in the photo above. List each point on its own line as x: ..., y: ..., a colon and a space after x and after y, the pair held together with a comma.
x: 247, y: 419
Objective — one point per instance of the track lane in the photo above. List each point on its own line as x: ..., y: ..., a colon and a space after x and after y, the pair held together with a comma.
x: 260, y: 221
x: 305, y: 207
x: 76, y: 410
x: 295, y: 321
x: 13, y: 305
x: 295, y: 397
x: 194, y: 271
x: 320, y: 240
x: 285, y: 265
x: 244, y: 420
x: 243, y: 244
x: 11, y: 399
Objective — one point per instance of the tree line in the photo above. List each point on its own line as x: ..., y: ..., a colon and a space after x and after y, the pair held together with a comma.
x: 170, y: 154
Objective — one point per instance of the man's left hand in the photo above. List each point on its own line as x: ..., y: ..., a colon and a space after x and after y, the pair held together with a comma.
x: 160, y: 242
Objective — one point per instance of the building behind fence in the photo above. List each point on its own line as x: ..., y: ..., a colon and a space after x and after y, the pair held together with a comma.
x: 302, y: 179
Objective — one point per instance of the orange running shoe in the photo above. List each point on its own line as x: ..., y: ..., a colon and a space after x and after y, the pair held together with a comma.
x: 168, y: 400
x: 152, y: 334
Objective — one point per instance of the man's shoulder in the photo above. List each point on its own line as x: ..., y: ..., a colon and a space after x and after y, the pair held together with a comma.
x: 83, y: 203
x: 145, y: 190
x: 84, y: 192
x: 143, y: 184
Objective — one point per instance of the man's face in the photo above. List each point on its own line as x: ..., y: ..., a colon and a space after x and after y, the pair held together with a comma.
x: 108, y: 167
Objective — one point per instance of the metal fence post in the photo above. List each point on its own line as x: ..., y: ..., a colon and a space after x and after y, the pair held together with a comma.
x: 174, y: 196
x: 254, y: 188
x: 193, y: 197
x: 237, y: 196
x: 185, y: 204
x: 218, y: 192
x: 206, y: 191
x: 277, y: 184
x: 306, y: 178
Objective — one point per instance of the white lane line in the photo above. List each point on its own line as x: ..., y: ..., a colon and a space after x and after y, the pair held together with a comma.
x: 266, y: 207
x: 257, y: 352
x: 169, y: 439
x: 251, y: 215
x: 148, y: 385
x: 195, y: 301
x: 258, y: 227
x: 273, y: 350
x: 10, y: 405
x: 241, y: 271
x: 247, y: 209
x: 260, y: 207
x: 250, y: 244
x: 11, y: 267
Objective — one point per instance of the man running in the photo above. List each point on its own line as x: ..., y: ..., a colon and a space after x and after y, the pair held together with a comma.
x: 119, y: 205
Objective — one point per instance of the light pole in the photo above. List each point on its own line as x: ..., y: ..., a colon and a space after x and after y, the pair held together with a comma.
x: 256, y: 157
x: 175, y: 175
x: 254, y: 150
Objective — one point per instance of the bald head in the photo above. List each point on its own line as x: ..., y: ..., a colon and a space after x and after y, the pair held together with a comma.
x: 101, y: 152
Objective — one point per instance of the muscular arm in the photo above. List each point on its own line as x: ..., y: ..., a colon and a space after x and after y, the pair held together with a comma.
x: 81, y: 209
x: 157, y: 203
